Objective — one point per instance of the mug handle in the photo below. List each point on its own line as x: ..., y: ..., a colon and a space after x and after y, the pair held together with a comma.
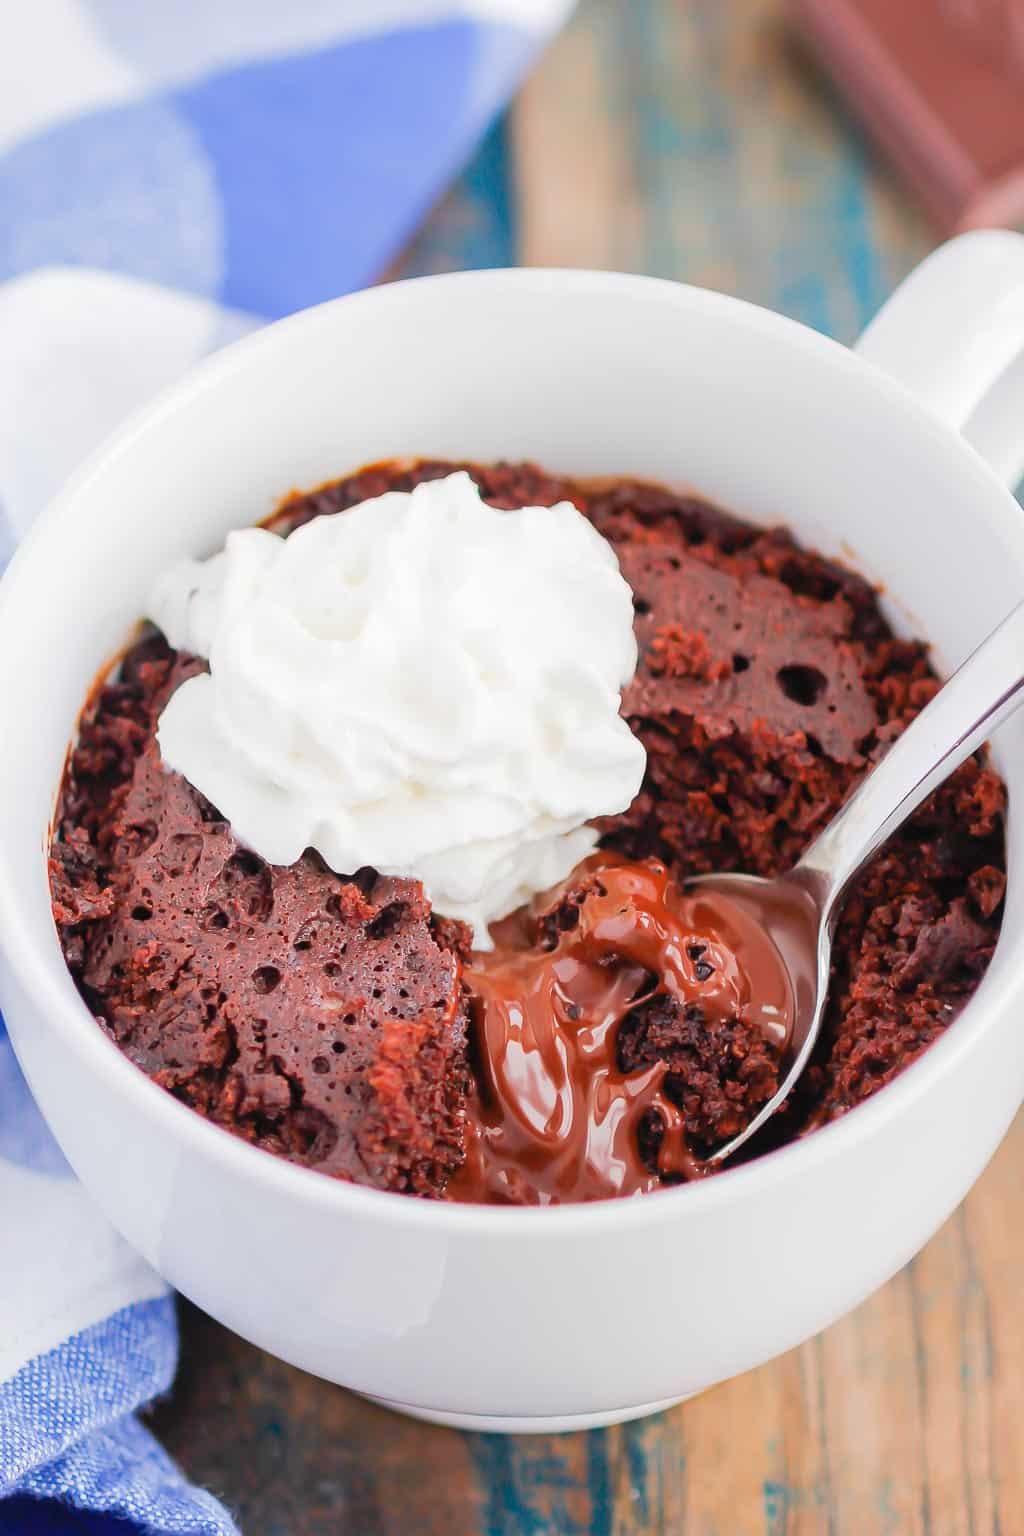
x: 953, y: 334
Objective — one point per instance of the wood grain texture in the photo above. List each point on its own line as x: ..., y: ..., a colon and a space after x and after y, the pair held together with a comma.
x: 690, y: 139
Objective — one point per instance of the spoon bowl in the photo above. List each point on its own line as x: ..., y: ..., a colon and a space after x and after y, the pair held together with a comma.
x: 793, y: 911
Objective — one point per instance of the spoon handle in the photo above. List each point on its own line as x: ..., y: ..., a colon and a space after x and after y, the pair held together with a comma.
x: 976, y: 699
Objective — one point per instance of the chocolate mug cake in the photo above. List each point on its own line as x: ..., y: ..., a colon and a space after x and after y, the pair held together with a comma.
x: 335, y: 1018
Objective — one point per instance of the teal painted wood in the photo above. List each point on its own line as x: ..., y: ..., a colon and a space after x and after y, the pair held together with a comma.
x: 739, y: 169
x: 541, y: 1485
x: 475, y: 224
x: 753, y: 180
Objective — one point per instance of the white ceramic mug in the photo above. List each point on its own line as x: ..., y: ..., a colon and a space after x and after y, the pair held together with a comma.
x: 571, y: 1316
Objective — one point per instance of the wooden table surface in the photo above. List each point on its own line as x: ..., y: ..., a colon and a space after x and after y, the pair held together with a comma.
x: 690, y: 139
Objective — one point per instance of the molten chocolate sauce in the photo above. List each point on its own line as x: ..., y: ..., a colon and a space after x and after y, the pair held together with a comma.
x: 554, y: 1118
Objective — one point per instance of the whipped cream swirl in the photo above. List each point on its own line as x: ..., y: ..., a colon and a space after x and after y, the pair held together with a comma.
x: 421, y: 684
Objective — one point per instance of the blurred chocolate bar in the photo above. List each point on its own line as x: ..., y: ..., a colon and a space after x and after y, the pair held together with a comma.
x: 940, y: 85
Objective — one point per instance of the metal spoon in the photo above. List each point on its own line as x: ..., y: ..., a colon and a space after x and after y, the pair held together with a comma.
x: 801, y: 908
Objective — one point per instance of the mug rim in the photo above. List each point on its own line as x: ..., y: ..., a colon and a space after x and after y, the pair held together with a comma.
x: 28, y: 954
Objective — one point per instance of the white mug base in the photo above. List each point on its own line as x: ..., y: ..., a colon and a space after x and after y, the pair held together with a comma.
x: 504, y: 1424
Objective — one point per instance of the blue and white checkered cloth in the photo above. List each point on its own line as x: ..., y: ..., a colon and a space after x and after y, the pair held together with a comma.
x: 169, y: 171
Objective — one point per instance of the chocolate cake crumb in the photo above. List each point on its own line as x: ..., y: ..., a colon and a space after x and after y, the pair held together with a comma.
x: 319, y: 1016
x: 720, y: 1075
